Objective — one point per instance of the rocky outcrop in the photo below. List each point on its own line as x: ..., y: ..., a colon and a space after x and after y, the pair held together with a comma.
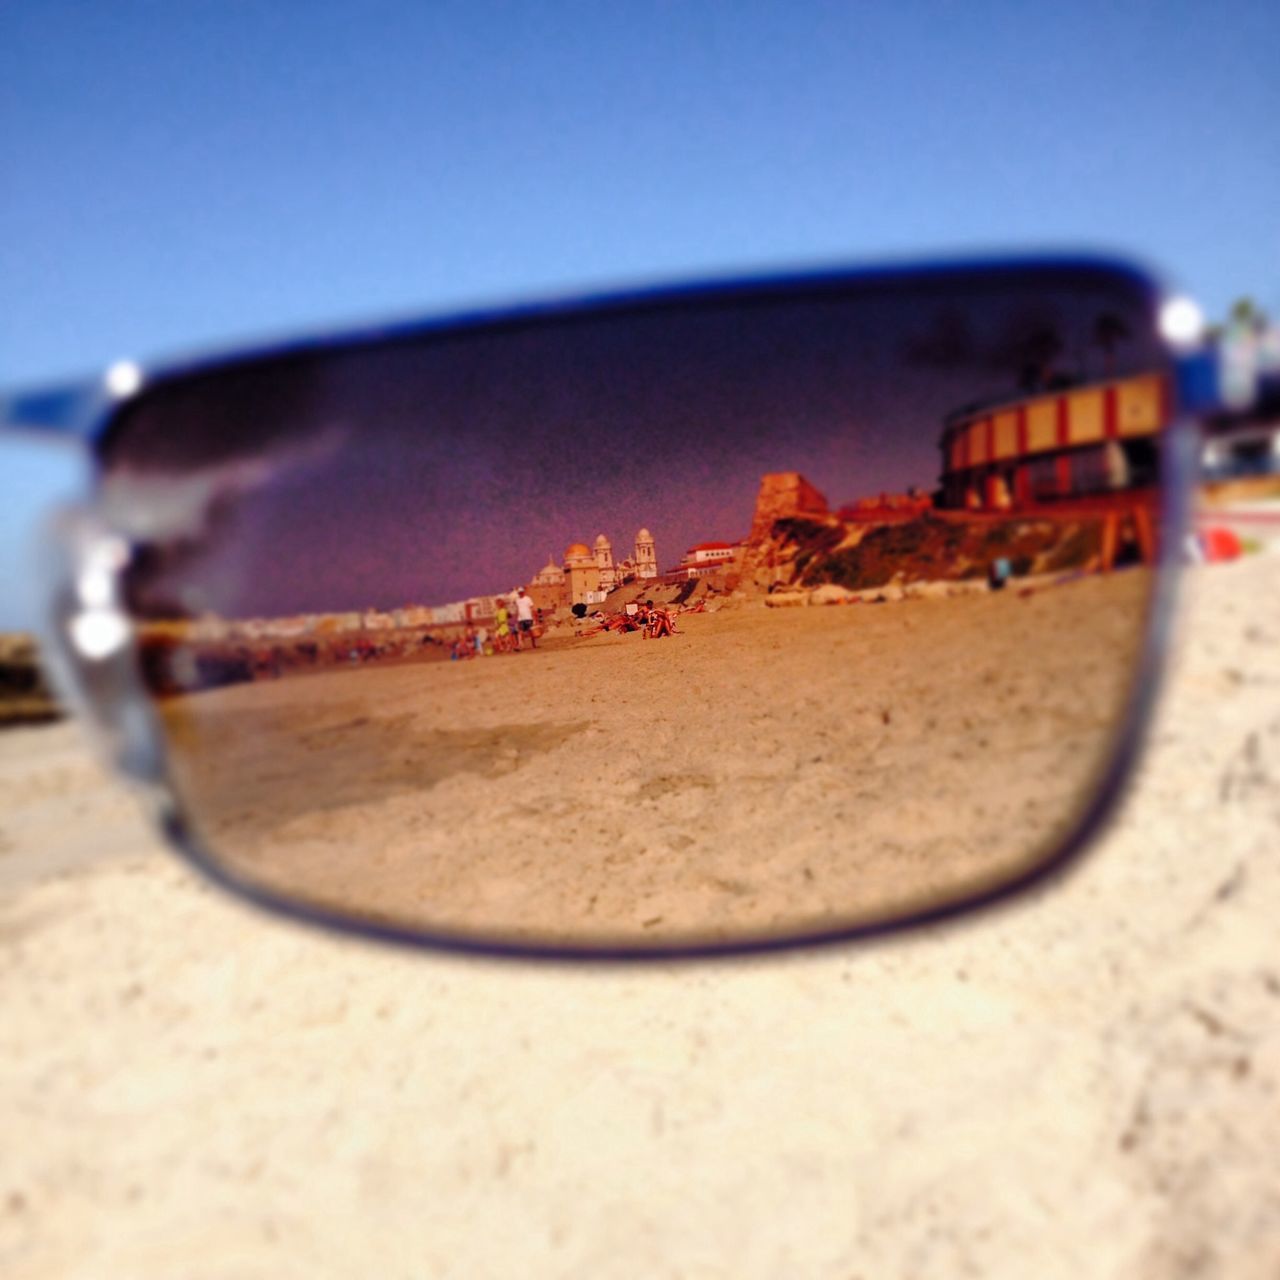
x: 783, y: 496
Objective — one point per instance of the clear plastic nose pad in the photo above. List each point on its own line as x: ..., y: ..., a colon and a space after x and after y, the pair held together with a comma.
x: 90, y: 643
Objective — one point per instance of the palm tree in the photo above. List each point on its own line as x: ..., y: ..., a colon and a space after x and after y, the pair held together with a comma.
x: 1042, y: 347
x: 1109, y: 330
x: 1244, y: 316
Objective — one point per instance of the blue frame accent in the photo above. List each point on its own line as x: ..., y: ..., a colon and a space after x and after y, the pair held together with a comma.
x: 84, y: 408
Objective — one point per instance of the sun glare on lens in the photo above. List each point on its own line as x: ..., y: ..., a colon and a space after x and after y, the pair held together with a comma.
x: 98, y: 633
x: 1181, y: 321
x: 123, y: 378
x: 96, y: 587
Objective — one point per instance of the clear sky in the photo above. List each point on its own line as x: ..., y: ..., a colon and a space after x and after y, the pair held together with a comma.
x: 179, y: 174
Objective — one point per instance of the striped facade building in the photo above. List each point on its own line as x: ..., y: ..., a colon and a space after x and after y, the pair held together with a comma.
x: 1051, y: 446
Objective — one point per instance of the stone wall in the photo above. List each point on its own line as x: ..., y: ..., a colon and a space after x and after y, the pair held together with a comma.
x: 782, y: 495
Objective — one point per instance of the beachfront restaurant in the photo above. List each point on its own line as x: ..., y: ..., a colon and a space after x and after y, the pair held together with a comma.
x: 1053, y: 446
x: 1246, y: 442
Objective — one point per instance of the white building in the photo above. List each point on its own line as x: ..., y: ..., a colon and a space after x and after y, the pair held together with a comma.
x: 646, y: 558
x: 604, y: 562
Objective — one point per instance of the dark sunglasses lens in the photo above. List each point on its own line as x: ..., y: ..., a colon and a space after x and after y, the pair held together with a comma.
x: 833, y: 602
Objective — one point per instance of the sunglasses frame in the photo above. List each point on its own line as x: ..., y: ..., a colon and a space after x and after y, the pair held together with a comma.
x: 108, y: 694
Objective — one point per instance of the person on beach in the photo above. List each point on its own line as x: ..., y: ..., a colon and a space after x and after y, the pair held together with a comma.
x: 661, y: 623
x: 502, y: 635
x: 619, y: 622
x: 513, y: 614
x: 524, y: 611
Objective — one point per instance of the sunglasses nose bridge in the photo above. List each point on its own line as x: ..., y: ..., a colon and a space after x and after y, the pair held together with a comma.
x: 90, y: 642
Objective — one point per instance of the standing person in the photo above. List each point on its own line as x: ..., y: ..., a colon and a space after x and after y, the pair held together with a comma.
x: 503, y: 639
x: 513, y: 614
x: 524, y: 611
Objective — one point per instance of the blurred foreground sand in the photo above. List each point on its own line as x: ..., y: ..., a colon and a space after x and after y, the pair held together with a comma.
x: 1086, y: 1085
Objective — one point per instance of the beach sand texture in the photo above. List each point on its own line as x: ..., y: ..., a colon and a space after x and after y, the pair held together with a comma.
x: 1082, y: 1086
x: 763, y: 770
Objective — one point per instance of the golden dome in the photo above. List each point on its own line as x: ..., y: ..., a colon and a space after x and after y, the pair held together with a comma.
x: 575, y: 550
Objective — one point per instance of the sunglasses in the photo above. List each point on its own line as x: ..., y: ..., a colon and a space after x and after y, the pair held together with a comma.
x: 842, y: 603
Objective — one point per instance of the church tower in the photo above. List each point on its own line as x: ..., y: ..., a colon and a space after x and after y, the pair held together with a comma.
x: 646, y: 556
x: 581, y: 573
x: 604, y: 562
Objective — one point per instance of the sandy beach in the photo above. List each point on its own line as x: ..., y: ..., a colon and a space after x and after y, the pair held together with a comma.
x: 764, y: 769
x: 1084, y: 1085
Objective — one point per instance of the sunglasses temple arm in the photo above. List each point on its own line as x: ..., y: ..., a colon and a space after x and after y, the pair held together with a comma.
x: 1220, y: 378
x: 89, y: 643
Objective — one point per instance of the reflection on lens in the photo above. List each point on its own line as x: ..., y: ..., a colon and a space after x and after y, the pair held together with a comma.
x: 727, y: 620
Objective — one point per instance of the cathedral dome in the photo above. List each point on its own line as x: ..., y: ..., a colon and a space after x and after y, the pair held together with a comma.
x: 602, y: 541
x: 576, y: 550
x: 644, y: 536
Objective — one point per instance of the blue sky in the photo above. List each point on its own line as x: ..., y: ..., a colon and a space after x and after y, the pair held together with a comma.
x: 188, y: 173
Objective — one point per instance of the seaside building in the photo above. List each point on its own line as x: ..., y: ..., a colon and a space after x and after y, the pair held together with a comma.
x: 480, y: 610
x: 707, y: 558
x: 603, y: 553
x: 547, y: 588
x: 886, y: 508
x: 645, y: 562
x: 581, y: 574
x: 709, y: 553
x: 415, y: 615
x: 1087, y: 441
x: 550, y: 575
x: 1246, y: 442
x: 586, y: 575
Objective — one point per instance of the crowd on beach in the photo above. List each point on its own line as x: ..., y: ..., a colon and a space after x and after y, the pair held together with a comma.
x: 652, y: 621
x: 516, y: 623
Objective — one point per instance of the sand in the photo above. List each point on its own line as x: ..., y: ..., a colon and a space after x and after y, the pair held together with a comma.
x: 1083, y: 1086
x: 764, y: 770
